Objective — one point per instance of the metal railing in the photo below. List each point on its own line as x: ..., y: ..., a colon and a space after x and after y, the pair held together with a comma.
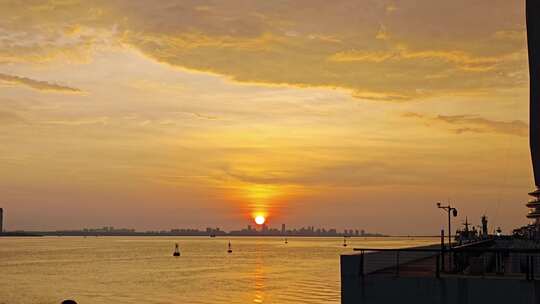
x: 505, y: 262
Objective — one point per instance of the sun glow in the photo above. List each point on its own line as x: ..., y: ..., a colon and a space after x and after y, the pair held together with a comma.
x: 260, y: 219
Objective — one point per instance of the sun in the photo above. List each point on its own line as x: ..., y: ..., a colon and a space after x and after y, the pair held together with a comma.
x: 260, y: 219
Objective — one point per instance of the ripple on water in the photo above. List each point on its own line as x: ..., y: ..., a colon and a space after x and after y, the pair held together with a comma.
x: 142, y: 270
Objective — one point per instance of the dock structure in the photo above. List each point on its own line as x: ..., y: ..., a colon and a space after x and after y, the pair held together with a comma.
x: 488, y: 271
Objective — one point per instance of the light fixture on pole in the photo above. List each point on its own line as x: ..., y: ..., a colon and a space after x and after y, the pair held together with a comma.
x: 451, y: 212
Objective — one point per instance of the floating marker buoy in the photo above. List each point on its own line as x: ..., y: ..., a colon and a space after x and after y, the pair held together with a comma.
x: 230, y: 249
x: 176, y: 250
x: 344, y: 242
x: 286, y: 242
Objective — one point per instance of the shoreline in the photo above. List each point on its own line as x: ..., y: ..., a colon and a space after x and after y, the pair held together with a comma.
x: 33, y: 234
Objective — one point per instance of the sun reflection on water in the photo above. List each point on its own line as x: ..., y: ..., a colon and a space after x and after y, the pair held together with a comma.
x: 259, y: 279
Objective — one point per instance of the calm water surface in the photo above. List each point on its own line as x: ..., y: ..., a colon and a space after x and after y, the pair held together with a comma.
x: 142, y: 269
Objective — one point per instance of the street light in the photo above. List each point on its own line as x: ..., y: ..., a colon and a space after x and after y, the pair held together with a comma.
x: 451, y: 211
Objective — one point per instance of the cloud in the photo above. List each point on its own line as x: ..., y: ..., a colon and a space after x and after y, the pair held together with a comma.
x: 461, y: 59
x: 276, y: 45
x: 202, y: 116
x: 80, y: 122
x: 516, y: 127
x: 474, y: 124
x: 412, y: 115
x: 381, y: 96
x: 336, y: 174
x: 38, y: 85
x: 516, y: 35
x: 388, y: 51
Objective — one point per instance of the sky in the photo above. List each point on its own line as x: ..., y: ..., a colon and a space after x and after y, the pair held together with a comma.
x: 194, y: 113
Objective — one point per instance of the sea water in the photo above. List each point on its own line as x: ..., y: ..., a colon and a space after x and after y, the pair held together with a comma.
x: 104, y: 270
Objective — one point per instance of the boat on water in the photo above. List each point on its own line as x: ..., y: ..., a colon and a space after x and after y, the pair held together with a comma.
x: 176, y: 250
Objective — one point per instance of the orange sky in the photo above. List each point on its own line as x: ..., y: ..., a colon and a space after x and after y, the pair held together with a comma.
x: 344, y: 114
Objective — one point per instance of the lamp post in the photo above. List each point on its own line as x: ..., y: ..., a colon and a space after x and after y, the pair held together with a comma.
x: 451, y: 212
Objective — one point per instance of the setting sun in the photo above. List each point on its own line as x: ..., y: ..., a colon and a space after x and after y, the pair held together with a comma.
x: 259, y: 219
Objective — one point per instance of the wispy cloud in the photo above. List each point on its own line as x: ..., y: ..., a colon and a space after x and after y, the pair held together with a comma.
x: 461, y: 59
x: 474, y: 124
x: 80, y: 122
x: 37, y: 84
x: 203, y: 116
x: 381, y: 96
x: 341, y: 174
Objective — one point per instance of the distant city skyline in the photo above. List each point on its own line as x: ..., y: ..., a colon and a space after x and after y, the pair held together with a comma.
x: 253, y: 228
x: 280, y: 229
x: 250, y: 230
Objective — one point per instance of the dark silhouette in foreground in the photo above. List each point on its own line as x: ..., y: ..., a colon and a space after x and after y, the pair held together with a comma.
x: 533, y: 45
x: 69, y: 302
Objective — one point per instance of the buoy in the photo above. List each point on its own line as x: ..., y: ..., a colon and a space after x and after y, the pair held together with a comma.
x: 229, y: 250
x: 286, y: 242
x: 176, y: 250
x: 344, y: 242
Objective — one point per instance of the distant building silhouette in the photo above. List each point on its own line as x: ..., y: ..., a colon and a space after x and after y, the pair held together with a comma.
x: 484, y: 226
x: 283, y: 231
x: 1, y: 220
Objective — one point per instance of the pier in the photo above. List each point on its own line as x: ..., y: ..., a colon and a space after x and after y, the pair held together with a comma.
x: 482, y: 272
